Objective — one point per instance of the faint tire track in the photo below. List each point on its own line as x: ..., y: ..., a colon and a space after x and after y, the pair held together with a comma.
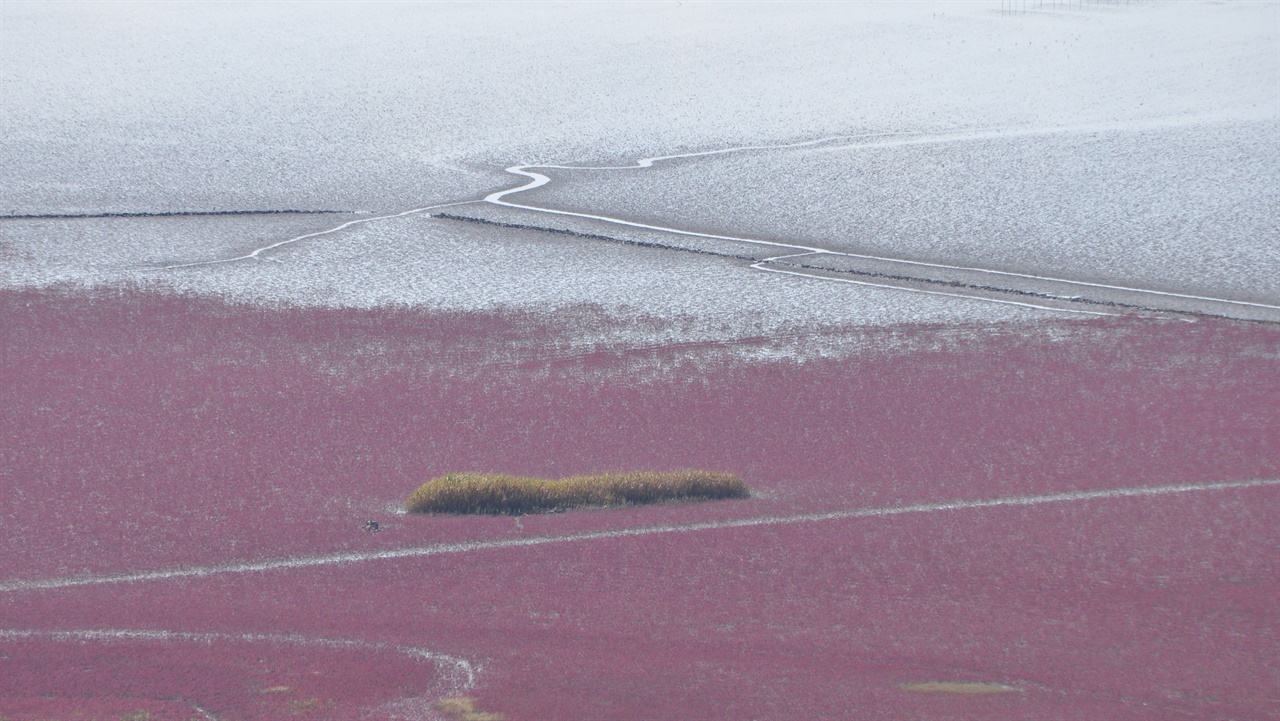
x: 459, y: 673
x: 257, y: 254
x: 173, y: 214
x: 464, y: 547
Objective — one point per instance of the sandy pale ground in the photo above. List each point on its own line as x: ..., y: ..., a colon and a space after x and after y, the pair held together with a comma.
x: 392, y: 107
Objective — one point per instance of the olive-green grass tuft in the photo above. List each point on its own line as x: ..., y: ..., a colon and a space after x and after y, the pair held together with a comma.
x: 496, y: 494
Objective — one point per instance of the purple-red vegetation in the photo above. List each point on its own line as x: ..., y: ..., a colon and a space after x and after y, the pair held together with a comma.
x: 142, y: 432
x: 231, y: 678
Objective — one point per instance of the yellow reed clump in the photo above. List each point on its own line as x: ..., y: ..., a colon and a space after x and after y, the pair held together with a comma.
x: 493, y: 493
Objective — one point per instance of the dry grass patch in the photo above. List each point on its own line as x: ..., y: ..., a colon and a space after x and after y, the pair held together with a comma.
x: 492, y: 493
x: 968, y: 687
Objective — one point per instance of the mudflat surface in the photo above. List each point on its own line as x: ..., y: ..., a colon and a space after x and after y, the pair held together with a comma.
x: 380, y: 107
x: 385, y: 110
x: 225, y: 457
x: 1175, y: 206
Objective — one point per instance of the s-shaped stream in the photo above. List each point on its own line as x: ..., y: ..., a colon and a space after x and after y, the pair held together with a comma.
x: 537, y: 179
x: 872, y: 140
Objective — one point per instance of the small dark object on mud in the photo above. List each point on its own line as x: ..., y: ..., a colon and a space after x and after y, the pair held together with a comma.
x: 372, y: 526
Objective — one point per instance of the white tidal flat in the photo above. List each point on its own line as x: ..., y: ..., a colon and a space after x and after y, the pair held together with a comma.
x: 1188, y: 205
x: 381, y: 108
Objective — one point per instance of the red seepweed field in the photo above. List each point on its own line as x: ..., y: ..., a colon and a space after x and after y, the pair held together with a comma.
x: 186, y: 480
